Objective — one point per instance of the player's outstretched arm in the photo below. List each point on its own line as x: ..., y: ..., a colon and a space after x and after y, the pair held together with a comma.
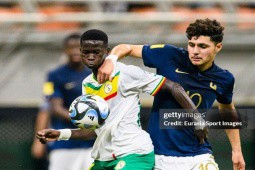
x: 123, y: 50
x: 106, y: 71
x: 179, y: 94
x: 48, y: 135
x: 234, y: 139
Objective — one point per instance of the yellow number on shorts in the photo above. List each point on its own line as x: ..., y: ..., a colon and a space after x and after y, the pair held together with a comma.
x: 206, y: 166
x: 201, y: 167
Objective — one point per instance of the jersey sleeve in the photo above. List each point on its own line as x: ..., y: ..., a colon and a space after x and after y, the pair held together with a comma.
x: 134, y: 79
x: 52, y: 87
x: 158, y: 56
x: 226, y: 96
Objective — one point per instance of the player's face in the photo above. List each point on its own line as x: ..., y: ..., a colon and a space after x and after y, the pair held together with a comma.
x: 72, y: 49
x: 202, y: 51
x: 93, y: 53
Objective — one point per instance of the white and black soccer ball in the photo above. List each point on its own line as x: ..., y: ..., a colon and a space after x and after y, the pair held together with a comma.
x: 89, y: 111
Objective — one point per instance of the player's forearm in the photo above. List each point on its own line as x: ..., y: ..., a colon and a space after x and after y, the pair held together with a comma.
x: 123, y: 50
x: 184, y: 100
x: 58, y: 109
x: 179, y: 94
x: 61, y: 112
x: 228, y: 113
x: 42, y: 120
x: 234, y: 139
x: 83, y: 134
x: 49, y: 135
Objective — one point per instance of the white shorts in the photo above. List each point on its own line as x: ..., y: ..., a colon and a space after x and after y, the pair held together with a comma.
x: 70, y: 159
x: 200, y: 162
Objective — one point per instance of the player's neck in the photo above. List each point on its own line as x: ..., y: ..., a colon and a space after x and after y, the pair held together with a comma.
x: 205, y: 66
x: 95, y: 73
x: 77, y: 66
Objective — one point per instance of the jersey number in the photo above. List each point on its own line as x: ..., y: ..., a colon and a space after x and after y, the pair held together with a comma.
x: 195, y: 96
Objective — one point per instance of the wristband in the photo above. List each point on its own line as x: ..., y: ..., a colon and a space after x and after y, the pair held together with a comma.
x: 112, y: 57
x: 65, y: 134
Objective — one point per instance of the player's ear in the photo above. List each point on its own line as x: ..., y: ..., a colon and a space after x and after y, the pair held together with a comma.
x: 218, y: 47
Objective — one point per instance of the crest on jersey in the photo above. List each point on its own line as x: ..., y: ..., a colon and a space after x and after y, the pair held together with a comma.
x: 213, y: 86
x: 108, y: 88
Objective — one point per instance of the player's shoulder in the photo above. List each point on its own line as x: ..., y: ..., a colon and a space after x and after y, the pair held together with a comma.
x: 166, y: 48
x: 121, y: 66
x: 224, y: 75
x: 60, y: 69
x: 162, y: 54
x: 223, y: 72
x: 130, y: 73
x: 127, y: 69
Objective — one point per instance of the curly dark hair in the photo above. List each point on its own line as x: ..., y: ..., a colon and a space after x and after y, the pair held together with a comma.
x: 206, y: 27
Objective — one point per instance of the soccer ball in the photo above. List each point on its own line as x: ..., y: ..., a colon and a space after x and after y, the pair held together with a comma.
x: 89, y: 111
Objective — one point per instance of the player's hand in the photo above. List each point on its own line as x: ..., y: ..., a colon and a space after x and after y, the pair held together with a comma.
x: 238, y: 161
x: 107, y: 70
x: 47, y: 135
x: 201, y: 134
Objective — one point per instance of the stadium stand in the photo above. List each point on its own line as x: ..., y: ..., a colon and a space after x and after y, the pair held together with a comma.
x: 57, y: 9
x: 246, y: 11
x: 49, y: 16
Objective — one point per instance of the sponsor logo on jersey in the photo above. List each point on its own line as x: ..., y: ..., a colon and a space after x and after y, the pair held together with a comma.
x: 181, y: 72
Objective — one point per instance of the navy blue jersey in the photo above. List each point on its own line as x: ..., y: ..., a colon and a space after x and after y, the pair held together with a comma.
x: 66, y: 83
x: 202, y: 87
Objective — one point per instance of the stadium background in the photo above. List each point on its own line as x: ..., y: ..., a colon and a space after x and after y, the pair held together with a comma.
x: 31, y: 44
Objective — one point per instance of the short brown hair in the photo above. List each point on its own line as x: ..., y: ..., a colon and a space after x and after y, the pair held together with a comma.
x: 206, y: 27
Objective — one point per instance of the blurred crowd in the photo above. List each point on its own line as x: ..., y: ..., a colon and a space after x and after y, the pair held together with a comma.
x: 186, y: 9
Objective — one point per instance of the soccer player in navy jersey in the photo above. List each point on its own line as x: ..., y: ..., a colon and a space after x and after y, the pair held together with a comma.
x: 195, y: 70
